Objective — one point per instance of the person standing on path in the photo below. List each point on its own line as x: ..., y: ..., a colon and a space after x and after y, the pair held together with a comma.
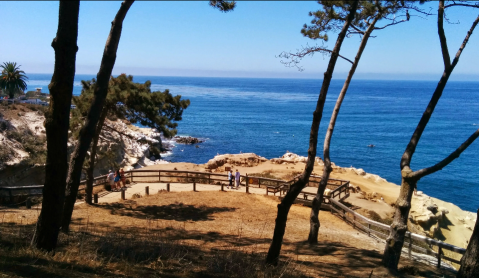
x: 122, y: 178
x: 230, y: 178
x: 117, y: 180
x: 111, y: 178
x: 237, y: 176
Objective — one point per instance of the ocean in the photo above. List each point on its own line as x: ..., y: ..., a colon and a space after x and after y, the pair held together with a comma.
x: 271, y: 116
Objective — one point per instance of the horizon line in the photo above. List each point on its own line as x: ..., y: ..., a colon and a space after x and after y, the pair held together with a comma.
x: 342, y: 76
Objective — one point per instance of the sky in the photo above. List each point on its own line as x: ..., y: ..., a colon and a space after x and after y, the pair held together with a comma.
x: 181, y: 38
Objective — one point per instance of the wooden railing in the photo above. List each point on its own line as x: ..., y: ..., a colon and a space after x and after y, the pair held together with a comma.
x: 382, y: 231
x: 340, y: 190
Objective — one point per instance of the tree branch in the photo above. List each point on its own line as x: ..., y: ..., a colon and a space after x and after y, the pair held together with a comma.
x: 464, y: 42
x: 390, y: 24
x: 411, y: 147
x: 442, y: 35
x: 357, y: 29
x: 295, y: 58
x: 117, y: 131
x: 454, y: 4
x: 455, y: 154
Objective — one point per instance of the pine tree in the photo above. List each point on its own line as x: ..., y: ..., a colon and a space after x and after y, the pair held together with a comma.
x: 134, y: 102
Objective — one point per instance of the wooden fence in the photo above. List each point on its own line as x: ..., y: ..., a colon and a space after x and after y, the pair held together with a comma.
x: 339, y: 191
x: 418, y: 243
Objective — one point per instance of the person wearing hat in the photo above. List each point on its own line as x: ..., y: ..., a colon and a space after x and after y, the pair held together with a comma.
x: 110, y: 179
x: 237, y: 177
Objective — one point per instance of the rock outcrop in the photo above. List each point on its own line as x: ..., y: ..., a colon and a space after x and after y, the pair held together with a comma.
x: 187, y: 140
x: 244, y: 159
x: 120, y: 145
x: 291, y: 158
x: 425, y: 213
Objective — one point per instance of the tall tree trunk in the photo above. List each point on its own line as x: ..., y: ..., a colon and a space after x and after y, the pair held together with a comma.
x: 91, y: 168
x: 395, y: 240
x: 88, y: 130
x: 470, y: 260
x: 318, y: 199
x: 288, y: 200
x: 56, y: 124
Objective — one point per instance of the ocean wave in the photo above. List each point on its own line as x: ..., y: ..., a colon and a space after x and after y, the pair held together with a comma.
x: 167, y: 153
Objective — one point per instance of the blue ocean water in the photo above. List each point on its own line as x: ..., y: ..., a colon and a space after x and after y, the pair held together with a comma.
x: 271, y: 116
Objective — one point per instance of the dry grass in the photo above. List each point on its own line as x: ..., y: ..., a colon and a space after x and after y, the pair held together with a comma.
x: 191, y: 234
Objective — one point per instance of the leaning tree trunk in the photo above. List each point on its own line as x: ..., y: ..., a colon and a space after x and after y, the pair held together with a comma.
x: 88, y: 130
x: 470, y: 260
x: 91, y: 167
x: 57, y: 122
x: 318, y: 199
x: 395, y: 240
x: 288, y: 200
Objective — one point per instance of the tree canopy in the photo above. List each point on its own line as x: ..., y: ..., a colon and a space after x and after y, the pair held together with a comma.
x: 12, y: 79
x: 134, y: 102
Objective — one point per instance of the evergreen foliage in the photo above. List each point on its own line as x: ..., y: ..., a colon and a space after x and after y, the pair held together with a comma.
x: 333, y: 14
x: 12, y: 79
x: 134, y: 102
x: 224, y: 6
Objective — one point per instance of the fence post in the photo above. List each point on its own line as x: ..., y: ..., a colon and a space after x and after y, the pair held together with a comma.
x: 131, y: 175
x: 369, y: 229
x: 147, y: 190
x: 354, y: 221
x: 259, y: 183
x: 159, y: 176
x: 123, y: 194
x: 410, y: 246
x: 209, y: 180
x: 439, y: 251
x: 28, y: 203
x: 95, y: 198
x: 222, y: 187
x: 247, y: 183
x: 168, y: 187
x: 194, y: 186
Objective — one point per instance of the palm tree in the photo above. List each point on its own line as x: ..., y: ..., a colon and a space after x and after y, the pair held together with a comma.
x: 12, y: 78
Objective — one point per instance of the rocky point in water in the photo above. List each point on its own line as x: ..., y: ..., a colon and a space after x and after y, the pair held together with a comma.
x: 187, y: 140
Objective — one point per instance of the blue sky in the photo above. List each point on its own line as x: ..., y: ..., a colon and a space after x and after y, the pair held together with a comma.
x: 193, y: 39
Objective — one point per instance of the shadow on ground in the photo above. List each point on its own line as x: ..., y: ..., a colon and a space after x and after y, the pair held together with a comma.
x: 176, y: 211
x: 153, y: 251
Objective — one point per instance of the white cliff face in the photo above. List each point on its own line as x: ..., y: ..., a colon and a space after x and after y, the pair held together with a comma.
x: 127, y: 146
x: 13, y: 149
x: 289, y: 157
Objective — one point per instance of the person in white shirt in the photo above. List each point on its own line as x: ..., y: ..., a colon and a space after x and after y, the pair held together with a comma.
x: 110, y: 178
x: 237, y: 177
